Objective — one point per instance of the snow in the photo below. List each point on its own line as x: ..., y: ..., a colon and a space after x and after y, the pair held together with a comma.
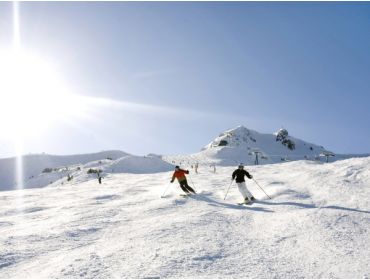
x: 244, y: 138
x: 238, y: 145
x: 76, y: 166
x: 241, y: 144
x: 33, y: 165
x: 317, y: 225
x: 139, y: 165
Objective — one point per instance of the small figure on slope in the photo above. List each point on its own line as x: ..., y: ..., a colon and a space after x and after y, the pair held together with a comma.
x: 99, y: 177
x: 196, y: 167
x: 180, y: 175
x: 239, y: 175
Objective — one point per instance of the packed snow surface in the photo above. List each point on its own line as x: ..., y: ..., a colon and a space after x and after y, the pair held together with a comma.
x: 317, y: 225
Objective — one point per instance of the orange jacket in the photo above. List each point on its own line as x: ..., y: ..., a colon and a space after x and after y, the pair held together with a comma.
x: 180, y: 175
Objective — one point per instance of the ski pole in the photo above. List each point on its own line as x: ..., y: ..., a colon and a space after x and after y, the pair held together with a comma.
x: 191, y: 181
x: 169, y: 184
x: 261, y: 188
x: 228, y: 188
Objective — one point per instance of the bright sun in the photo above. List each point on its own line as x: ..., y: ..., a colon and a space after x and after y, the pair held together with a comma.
x: 32, y: 94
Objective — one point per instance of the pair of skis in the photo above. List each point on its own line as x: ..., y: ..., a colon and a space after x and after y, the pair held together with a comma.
x: 246, y: 203
x: 188, y: 195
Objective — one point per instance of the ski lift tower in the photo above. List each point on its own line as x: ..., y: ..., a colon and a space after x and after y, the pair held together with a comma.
x: 327, y: 154
x: 256, y: 152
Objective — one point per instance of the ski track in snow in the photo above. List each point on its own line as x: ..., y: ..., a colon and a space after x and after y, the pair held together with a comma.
x: 317, y: 225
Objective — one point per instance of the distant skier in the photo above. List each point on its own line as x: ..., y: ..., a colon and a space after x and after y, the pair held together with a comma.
x: 239, y: 175
x: 99, y: 177
x: 180, y: 175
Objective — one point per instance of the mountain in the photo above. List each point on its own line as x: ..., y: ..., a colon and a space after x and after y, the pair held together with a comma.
x: 315, y: 226
x: 43, y: 169
x: 138, y: 165
x: 240, y: 145
x: 231, y: 147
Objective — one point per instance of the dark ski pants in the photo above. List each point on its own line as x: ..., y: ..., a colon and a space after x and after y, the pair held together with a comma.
x: 185, y: 187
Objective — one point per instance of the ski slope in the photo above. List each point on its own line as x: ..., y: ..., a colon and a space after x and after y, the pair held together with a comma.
x: 317, y: 225
x: 33, y: 165
x: 241, y: 146
x: 61, y: 167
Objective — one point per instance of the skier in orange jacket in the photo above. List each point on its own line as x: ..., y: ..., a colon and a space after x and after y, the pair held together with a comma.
x: 180, y: 175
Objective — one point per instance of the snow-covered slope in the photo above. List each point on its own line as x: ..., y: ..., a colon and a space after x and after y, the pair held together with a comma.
x: 33, y: 165
x: 139, y: 165
x: 317, y: 225
x: 80, y: 168
x: 240, y: 144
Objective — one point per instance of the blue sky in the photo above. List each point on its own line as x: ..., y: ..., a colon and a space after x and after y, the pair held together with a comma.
x: 185, y: 71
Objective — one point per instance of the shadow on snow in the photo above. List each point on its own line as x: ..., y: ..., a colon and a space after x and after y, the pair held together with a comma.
x: 307, y: 206
x: 216, y: 203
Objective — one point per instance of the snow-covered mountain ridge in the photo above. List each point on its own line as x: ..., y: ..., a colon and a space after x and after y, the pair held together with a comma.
x: 271, y: 146
x: 317, y: 225
x: 42, y: 170
x: 228, y: 149
x: 250, y: 147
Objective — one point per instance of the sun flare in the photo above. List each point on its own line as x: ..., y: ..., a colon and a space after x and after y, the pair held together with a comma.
x: 32, y: 94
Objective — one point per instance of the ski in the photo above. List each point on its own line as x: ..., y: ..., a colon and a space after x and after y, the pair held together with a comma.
x: 246, y: 203
x: 188, y: 195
